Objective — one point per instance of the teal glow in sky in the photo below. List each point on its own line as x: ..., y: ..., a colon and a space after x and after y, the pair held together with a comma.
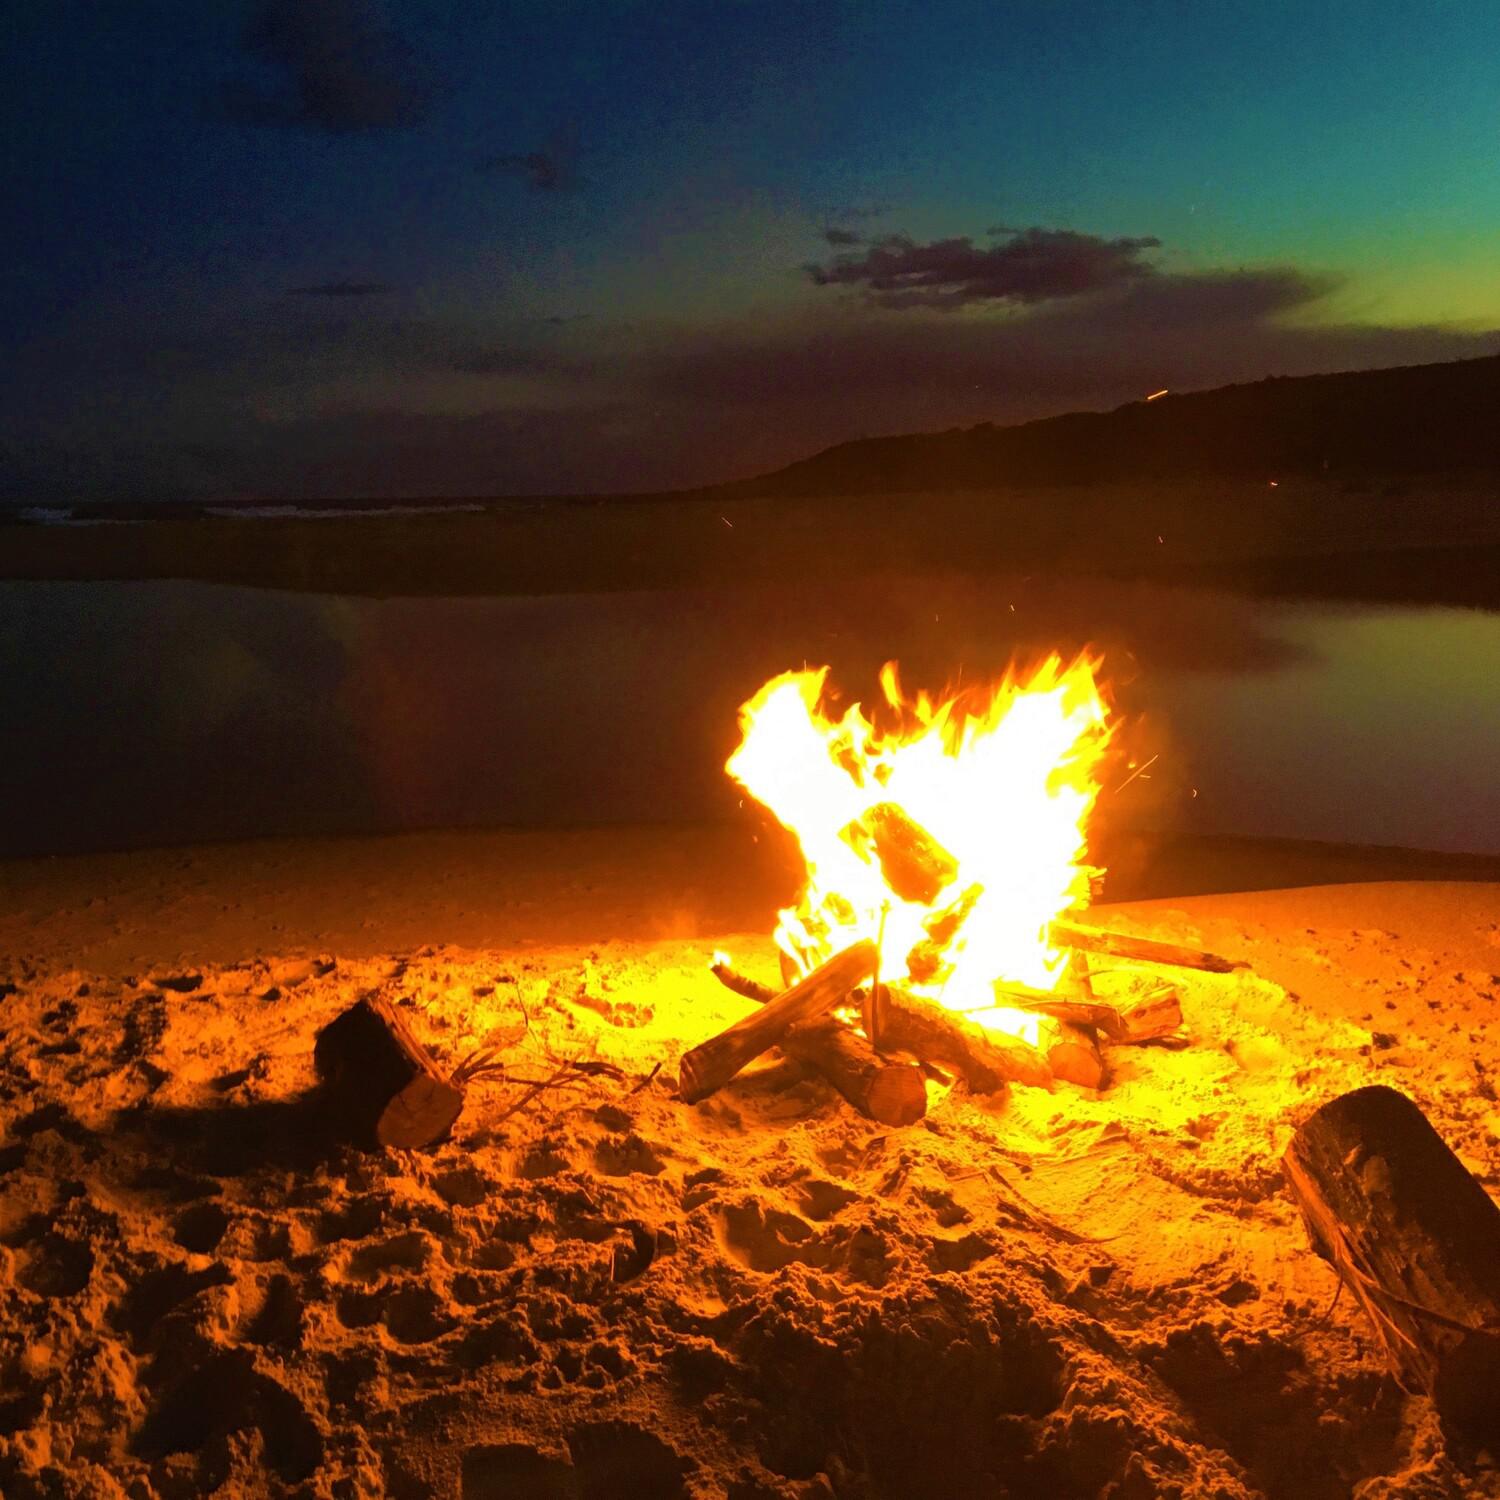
x: 313, y: 247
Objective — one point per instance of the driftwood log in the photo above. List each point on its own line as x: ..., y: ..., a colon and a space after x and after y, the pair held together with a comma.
x: 894, y: 1093
x: 986, y: 1059
x: 1146, y: 950
x: 1416, y: 1239
x: 1153, y: 1016
x: 1074, y: 1054
x: 380, y: 1081
x: 711, y: 1064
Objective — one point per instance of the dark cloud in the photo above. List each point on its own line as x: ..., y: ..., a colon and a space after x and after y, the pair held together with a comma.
x: 341, y: 289
x: 837, y: 236
x: 1210, y: 298
x: 1032, y: 265
x: 559, y: 320
x: 551, y: 168
x: 338, y: 69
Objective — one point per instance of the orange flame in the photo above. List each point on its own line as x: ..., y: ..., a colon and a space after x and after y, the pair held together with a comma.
x: 953, y: 839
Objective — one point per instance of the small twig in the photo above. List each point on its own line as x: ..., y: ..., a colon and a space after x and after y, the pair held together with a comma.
x: 572, y: 1072
x: 645, y: 1082
x: 1321, y: 1321
x: 521, y: 1001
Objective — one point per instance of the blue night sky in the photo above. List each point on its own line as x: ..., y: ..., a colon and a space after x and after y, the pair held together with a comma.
x: 323, y: 247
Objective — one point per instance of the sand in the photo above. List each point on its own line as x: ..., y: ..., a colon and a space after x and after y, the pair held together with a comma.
x: 606, y: 1293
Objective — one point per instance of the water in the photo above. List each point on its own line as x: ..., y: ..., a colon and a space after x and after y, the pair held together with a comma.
x: 157, y: 713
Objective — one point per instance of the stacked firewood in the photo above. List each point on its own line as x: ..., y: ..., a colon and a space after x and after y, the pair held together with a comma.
x: 881, y: 1065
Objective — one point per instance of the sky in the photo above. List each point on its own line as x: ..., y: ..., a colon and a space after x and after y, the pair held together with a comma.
x: 316, y: 248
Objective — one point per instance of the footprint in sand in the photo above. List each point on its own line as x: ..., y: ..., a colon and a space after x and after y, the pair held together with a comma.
x: 604, y: 1461
x: 631, y: 1154
x: 200, y: 1227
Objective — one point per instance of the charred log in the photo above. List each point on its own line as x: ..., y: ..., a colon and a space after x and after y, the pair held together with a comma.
x: 916, y: 867
x: 1416, y: 1239
x: 926, y: 962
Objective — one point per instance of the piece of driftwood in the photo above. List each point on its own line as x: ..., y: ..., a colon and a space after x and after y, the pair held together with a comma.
x: 1152, y: 1016
x: 894, y: 1093
x: 1416, y: 1239
x: 986, y: 1059
x: 1148, y: 950
x: 711, y: 1064
x: 380, y: 1081
x: 1074, y: 1054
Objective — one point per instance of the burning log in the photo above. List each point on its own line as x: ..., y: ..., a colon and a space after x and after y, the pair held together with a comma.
x: 926, y: 961
x: 892, y: 1093
x: 1074, y: 1054
x: 915, y: 866
x: 1153, y: 1016
x: 381, y: 1080
x: 711, y: 1064
x: 986, y: 1059
x: 1146, y: 950
x: 1416, y: 1239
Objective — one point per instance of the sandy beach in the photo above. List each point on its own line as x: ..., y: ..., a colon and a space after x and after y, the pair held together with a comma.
x: 595, y: 1290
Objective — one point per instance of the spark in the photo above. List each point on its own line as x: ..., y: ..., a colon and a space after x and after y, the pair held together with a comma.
x: 1157, y: 395
x: 1139, y: 771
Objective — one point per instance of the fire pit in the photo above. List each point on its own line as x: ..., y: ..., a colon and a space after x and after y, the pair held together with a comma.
x: 945, y: 854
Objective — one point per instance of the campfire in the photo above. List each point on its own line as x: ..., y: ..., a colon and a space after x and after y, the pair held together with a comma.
x: 946, y: 861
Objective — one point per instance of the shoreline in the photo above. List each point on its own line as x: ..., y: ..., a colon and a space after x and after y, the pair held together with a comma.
x: 1299, y: 540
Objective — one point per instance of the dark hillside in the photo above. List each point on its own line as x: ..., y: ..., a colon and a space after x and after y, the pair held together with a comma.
x: 1418, y: 419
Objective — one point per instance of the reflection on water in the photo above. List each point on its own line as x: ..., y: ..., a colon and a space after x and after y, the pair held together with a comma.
x: 157, y: 713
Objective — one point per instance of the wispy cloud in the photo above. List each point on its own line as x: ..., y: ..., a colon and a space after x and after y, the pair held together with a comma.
x: 334, y: 66
x: 1032, y: 265
x: 839, y: 236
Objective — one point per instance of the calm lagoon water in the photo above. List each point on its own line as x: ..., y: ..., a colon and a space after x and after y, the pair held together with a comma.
x: 158, y: 713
